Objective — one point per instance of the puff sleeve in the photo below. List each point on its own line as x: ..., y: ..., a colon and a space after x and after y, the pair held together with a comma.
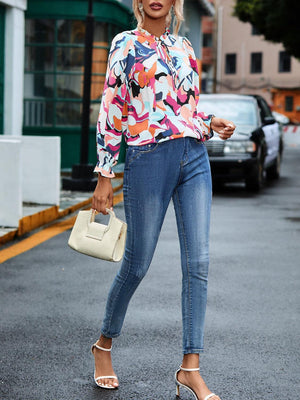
x: 203, y: 119
x: 112, y: 119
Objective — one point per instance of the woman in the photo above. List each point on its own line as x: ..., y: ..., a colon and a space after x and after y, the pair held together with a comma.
x: 151, y: 97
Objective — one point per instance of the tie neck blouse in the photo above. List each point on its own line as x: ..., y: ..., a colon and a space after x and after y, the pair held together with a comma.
x: 151, y: 95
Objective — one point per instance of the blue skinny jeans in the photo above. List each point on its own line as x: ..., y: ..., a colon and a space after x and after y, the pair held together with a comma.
x: 154, y: 174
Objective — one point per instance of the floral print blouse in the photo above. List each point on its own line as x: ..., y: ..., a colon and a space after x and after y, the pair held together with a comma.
x: 150, y: 95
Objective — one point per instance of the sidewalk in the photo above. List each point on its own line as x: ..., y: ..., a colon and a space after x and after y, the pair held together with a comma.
x: 38, y: 215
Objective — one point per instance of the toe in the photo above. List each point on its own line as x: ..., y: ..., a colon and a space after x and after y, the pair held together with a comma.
x: 109, y: 383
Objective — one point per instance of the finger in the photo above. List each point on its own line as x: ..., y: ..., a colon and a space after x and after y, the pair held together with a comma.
x: 103, y: 209
x: 101, y: 205
x: 95, y: 204
x: 224, y: 137
x: 111, y: 200
x: 229, y: 129
x: 227, y: 133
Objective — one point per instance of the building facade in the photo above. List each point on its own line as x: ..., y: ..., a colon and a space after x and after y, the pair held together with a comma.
x: 208, y: 54
x: 54, y: 68
x: 246, y: 63
x: 41, y: 70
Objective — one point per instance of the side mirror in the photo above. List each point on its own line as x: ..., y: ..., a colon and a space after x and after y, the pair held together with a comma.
x: 269, y: 120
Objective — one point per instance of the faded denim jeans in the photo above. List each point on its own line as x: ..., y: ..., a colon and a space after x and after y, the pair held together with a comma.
x: 154, y: 174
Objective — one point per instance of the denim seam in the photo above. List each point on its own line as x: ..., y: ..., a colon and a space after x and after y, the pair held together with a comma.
x: 121, y: 286
x: 187, y: 265
x: 180, y: 175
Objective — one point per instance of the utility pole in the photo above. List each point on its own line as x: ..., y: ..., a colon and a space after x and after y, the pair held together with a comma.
x: 82, y: 178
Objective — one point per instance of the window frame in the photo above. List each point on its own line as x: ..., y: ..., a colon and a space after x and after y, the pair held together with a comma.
x: 289, y: 107
x: 282, y: 58
x: 228, y: 64
x: 112, y: 29
x: 207, y: 40
x: 254, y: 31
x: 253, y: 62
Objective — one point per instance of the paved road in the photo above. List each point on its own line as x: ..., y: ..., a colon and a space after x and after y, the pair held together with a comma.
x: 52, y: 301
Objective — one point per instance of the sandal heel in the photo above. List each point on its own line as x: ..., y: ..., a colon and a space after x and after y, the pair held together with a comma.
x: 178, y: 384
x: 96, y: 379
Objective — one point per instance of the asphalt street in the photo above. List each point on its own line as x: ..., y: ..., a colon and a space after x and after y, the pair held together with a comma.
x: 52, y: 302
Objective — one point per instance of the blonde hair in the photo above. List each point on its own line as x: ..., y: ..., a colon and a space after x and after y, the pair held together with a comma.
x: 178, y: 15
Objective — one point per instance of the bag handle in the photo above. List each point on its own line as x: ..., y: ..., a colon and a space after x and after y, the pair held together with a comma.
x: 111, y: 213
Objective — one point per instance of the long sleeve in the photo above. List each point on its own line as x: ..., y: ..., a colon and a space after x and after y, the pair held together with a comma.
x: 203, y: 119
x: 112, y: 120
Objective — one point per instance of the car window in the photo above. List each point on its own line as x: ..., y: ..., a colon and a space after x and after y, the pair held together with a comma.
x: 241, y: 112
x: 264, y: 108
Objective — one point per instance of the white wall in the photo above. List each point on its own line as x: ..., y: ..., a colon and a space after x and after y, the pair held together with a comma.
x: 14, y: 65
x: 10, y: 183
x: 41, y: 169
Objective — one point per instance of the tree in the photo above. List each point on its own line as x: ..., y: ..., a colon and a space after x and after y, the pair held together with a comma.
x: 277, y: 20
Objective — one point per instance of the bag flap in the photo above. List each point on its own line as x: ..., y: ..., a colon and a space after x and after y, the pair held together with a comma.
x: 96, y: 230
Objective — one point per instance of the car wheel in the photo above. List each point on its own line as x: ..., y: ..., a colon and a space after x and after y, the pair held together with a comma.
x: 254, y: 180
x: 274, y: 171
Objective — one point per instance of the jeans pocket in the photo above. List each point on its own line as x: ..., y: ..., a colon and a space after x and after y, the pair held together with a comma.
x: 133, y: 152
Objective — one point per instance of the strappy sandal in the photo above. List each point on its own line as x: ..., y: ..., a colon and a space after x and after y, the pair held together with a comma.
x: 102, y: 385
x: 178, y: 384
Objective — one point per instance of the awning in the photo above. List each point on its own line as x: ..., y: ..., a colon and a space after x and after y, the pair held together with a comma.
x: 111, y: 11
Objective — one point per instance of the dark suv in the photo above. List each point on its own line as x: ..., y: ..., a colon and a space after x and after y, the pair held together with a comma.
x: 255, y: 147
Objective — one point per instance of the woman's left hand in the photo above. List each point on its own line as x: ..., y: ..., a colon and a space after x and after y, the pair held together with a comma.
x: 223, y: 127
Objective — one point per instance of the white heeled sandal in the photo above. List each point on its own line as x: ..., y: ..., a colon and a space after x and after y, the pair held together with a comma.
x: 178, y: 384
x: 102, y: 385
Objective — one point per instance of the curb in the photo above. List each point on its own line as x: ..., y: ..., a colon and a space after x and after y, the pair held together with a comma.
x: 41, y: 218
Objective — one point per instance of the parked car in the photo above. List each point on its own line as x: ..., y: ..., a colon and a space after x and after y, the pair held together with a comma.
x: 281, y: 118
x: 256, y: 146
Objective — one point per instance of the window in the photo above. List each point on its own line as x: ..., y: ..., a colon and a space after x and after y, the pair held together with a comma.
x: 207, y: 40
x: 54, y: 68
x: 284, y: 62
x: 256, y: 63
x: 255, y: 31
x: 289, y: 103
x: 242, y: 112
x: 264, y: 109
x: 230, y: 63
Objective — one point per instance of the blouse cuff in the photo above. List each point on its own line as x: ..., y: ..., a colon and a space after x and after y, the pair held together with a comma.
x: 104, y: 170
x: 208, y: 133
x: 211, y: 132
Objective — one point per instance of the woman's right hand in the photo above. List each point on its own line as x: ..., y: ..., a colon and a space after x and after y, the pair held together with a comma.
x: 103, y: 195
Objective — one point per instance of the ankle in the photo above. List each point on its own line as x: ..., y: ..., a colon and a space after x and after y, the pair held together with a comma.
x: 105, y: 342
x: 190, y: 361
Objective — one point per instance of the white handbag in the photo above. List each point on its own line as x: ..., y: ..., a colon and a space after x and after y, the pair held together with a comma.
x: 97, y: 240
